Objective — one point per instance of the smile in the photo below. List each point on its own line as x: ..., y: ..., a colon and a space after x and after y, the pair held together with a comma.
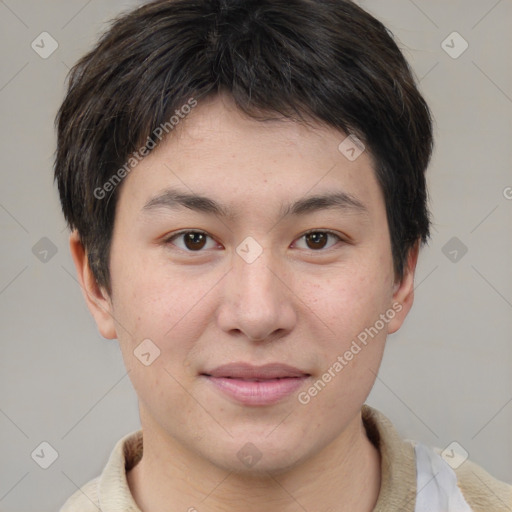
x: 256, y: 385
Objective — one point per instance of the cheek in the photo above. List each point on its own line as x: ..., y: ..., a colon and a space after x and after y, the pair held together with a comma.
x: 144, y: 299
x: 352, y: 304
x: 159, y: 390
x: 352, y: 347
x: 156, y: 334
x: 350, y: 300
x: 171, y: 309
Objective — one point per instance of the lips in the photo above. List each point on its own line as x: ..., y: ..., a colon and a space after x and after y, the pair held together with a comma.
x: 244, y: 371
x: 256, y: 385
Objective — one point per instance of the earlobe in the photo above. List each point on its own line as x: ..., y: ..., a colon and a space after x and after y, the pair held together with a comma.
x: 403, y: 291
x: 97, y: 299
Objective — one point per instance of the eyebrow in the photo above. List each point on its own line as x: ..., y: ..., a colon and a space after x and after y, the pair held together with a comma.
x: 174, y: 200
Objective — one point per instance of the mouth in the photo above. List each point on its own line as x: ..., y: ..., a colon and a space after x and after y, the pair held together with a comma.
x: 256, y: 385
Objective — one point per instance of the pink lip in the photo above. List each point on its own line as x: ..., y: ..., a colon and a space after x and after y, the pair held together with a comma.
x: 256, y: 385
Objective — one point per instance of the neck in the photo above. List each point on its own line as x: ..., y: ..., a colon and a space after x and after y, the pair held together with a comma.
x: 344, y: 476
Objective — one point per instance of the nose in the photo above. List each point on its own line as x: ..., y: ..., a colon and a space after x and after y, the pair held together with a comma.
x: 258, y: 300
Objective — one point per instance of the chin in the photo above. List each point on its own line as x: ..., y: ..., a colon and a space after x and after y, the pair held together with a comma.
x: 258, y: 458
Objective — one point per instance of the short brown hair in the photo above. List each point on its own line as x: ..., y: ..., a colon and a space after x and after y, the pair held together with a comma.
x: 325, y: 60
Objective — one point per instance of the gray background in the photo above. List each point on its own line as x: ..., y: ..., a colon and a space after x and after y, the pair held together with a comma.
x: 446, y: 375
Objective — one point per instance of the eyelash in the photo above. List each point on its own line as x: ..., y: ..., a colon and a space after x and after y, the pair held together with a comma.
x: 185, y: 232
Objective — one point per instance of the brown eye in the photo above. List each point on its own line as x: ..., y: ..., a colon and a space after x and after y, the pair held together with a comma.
x: 194, y: 241
x: 318, y: 240
x: 191, y: 241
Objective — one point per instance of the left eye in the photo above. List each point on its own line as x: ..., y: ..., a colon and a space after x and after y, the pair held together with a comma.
x: 317, y: 240
x: 193, y: 240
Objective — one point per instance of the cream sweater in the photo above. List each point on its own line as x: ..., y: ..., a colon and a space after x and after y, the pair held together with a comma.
x: 110, y: 492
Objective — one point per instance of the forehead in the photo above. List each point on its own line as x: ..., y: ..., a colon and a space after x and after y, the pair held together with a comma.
x: 218, y: 125
x: 218, y: 152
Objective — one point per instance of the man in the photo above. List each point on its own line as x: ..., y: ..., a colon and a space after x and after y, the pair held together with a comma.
x: 245, y: 184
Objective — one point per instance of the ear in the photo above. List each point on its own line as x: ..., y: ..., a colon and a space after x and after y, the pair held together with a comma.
x: 98, y: 301
x: 403, y: 291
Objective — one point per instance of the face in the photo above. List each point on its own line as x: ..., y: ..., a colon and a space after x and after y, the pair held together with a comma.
x: 264, y: 308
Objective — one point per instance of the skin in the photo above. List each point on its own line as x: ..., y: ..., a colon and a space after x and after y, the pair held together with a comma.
x: 298, y: 303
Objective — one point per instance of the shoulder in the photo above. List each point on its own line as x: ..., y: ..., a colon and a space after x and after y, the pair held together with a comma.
x: 84, y: 499
x: 112, y: 484
x: 403, y: 479
x: 483, y: 492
